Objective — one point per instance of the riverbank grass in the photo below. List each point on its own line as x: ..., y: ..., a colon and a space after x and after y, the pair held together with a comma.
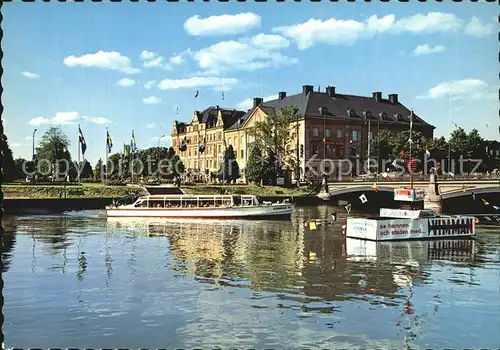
x: 103, y: 191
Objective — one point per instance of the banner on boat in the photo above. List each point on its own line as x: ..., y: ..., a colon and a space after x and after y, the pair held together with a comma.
x: 408, y: 195
x: 395, y: 229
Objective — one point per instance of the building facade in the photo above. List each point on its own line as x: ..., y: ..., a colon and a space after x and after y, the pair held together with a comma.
x: 330, y: 128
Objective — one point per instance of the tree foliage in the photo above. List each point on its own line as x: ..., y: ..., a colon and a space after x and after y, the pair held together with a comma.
x: 229, y: 169
x: 254, y: 170
x: 53, y: 151
x: 274, y: 135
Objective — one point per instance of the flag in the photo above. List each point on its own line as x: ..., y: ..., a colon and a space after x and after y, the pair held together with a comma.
x: 197, y: 93
x: 177, y: 110
x: 222, y: 95
x: 133, y: 145
x: 374, y: 187
x: 312, y: 225
x: 82, y: 140
x: 496, y: 208
x: 182, y: 145
x: 201, y: 146
x: 411, y: 119
x: 348, y: 208
x: 402, y: 153
x: 363, y: 198
x: 109, y: 142
x: 485, y: 202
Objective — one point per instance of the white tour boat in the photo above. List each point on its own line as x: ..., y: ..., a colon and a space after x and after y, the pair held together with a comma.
x: 397, y: 224
x: 201, y: 207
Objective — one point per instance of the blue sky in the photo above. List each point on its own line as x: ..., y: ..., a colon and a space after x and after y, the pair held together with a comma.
x: 128, y: 66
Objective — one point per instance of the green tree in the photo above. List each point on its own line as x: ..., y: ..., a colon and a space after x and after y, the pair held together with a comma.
x: 459, y: 142
x: 20, y: 165
x: 382, y: 147
x: 52, y: 153
x: 8, y: 161
x: 274, y: 134
x: 437, y: 147
x: 98, y: 170
x: 86, y: 170
x: 229, y: 169
x: 475, y: 147
x: 255, y: 167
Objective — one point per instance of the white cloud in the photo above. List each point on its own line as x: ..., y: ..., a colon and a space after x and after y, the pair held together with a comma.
x: 218, y: 84
x: 149, y: 84
x: 15, y: 145
x: 466, y: 88
x: 60, y: 118
x: 221, y: 25
x: 427, y: 49
x: 67, y: 118
x: 248, y: 54
x: 151, y: 100
x: 30, y: 75
x: 345, y: 32
x: 247, y: 103
x: 99, y: 120
x: 478, y: 29
x: 153, y: 60
x: 125, y: 82
x: 101, y: 59
x: 147, y: 55
x: 176, y: 60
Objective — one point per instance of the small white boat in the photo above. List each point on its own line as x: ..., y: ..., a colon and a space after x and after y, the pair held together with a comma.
x: 202, y: 206
x: 398, y: 224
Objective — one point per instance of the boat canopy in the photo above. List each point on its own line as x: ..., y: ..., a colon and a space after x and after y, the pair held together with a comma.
x: 188, y: 201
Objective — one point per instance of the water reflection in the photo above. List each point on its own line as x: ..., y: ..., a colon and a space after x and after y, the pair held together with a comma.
x: 263, y: 283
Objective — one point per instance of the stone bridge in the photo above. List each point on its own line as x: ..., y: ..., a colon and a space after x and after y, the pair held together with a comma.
x: 448, y: 189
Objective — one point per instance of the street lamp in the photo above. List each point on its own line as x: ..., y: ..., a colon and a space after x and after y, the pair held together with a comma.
x: 159, y: 139
x: 33, y: 154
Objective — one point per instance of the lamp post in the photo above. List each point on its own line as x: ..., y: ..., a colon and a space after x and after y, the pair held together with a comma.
x: 159, y: 139
x: 33, y: 154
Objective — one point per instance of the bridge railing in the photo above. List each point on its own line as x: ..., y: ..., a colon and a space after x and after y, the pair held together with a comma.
x: 416, y: 178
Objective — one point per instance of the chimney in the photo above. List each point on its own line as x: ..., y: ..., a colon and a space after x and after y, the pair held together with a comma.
x: 217, y: 107
x: 393, y: 99
x: 197, y: 114
x: 257, y: 101
x: 330, y: 90
x: 377, y: 96
x: 307, y: 89
x: 281, y: 95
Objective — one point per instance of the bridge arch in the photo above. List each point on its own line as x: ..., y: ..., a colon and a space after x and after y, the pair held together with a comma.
x: 470, y: 191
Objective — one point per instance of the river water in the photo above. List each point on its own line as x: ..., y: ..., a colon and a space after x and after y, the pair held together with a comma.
x: 81, y: 280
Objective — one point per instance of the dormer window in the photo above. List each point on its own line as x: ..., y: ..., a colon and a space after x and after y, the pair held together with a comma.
x: 351, y: 113
x: 367, y: 115
x: 399, y: 117
x: 383, y: 116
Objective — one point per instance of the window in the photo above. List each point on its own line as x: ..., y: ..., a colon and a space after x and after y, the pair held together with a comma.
x: 314, y: 149
x: 315, y: 132
x: 328, y: 151
x: 339, y: 133
x: 356, y: 135
x: 328, y: 133
x: 242, y: 155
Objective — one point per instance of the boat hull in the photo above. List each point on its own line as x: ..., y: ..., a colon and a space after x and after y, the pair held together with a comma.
x: 390, y: 229
x: 282, y: 211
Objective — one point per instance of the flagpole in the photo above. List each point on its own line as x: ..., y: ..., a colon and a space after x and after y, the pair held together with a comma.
x: 79, y: 144
x: 132, y: 161
x: 411, y: 141
x: 107, y: 151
